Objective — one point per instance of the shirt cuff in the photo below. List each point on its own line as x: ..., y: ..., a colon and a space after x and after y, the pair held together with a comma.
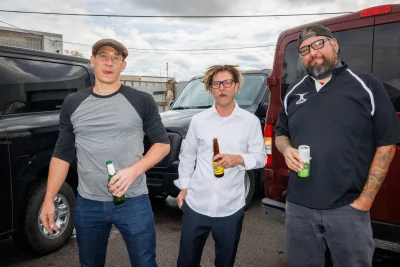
x: 249, y: 162
x: 182, y: 183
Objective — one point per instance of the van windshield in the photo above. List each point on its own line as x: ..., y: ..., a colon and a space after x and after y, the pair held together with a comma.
x: 194, y: 95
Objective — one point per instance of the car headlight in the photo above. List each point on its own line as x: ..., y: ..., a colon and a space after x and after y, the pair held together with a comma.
x: 182, y: 145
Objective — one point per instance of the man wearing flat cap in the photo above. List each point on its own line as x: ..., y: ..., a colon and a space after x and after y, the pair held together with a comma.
x: 351, y: 127
x: 107, y: 123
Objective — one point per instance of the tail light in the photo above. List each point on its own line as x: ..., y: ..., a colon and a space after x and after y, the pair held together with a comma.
x: 374, y: 11
x: 268, y: 129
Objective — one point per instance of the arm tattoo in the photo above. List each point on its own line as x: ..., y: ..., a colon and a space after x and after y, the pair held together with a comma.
x: 377, y: 173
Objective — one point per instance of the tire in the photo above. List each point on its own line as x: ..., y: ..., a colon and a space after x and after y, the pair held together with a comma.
x: 249, y: 187
x: 30, y: 236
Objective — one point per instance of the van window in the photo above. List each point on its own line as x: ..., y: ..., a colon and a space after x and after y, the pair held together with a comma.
x: 387, y: 59
x: 32, y: 86
x: 355, y: 49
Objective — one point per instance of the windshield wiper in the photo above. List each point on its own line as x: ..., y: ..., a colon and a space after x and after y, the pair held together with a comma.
x: 208, y: 106
x: 180, y: 108
x: 192, y: 107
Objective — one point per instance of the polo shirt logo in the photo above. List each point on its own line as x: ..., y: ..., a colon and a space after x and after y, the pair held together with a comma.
x: 301, y: 99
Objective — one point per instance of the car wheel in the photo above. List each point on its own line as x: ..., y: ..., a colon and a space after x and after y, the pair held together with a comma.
x: 32, y: 236
x: 249, y: 187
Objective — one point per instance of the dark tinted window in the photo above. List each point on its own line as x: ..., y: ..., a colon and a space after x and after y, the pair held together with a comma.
x: 292, y: 67
x: 31, y: 86
x: 355, y: 49
x: 387, y: 59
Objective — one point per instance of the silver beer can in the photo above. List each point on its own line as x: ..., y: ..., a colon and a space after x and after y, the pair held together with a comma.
x: 304, y: 153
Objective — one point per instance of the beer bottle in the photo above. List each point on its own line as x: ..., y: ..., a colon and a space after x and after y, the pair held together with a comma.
x: 111, y: 172
x: 218, y: 169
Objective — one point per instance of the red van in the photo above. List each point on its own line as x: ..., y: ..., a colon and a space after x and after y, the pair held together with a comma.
x: 369, y: 41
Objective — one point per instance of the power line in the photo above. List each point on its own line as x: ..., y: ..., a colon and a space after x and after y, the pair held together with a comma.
x: 202, y: 49
x: 154, y: 50
x: 201, y: 53
x: 66, y: 42
x: 174, y: 16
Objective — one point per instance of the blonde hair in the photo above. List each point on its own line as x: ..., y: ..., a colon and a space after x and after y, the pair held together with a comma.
x: 211, y: 71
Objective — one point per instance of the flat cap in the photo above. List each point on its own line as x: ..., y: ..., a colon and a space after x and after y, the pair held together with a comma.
x: 110, y: 42
x: 314, y: 30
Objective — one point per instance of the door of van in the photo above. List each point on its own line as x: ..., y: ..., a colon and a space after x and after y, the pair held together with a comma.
x: 5, y: 182
x: 386, y: 66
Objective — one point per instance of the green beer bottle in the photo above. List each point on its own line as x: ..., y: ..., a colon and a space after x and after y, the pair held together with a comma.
x: 111, y: 173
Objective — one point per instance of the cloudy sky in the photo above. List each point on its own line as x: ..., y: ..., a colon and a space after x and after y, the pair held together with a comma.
x: 172, y: 34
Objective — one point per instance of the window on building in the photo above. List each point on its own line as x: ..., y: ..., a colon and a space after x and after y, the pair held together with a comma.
x: 34, y: 43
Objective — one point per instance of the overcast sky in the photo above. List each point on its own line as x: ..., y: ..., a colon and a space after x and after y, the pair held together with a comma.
x: 161, y: 33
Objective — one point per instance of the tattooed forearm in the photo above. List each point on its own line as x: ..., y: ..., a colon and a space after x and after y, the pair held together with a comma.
x: 282, y: 142
x: 384, y: 159
x: 377, y: 173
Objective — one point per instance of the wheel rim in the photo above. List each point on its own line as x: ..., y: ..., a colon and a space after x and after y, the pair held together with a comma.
x: 61, y: 217
x: 246, y: 185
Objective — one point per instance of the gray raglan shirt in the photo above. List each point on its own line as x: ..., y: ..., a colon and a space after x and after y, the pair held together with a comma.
x: 101, y: 128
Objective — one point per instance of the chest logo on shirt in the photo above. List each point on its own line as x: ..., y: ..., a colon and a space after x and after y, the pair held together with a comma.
x: 301, y: 99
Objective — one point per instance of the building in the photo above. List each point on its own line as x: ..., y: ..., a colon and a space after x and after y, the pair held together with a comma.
x: 161, y: 88
x: 43, y: 41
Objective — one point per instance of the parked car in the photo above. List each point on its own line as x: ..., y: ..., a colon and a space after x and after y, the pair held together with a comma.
x: 253, y: 96
x: 33, y: 85
x: 369, y: 42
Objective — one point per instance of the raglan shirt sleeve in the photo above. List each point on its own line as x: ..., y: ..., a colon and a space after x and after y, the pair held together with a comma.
x: 65, y: 146
x: 386, y: 125
x: 282, y: 126
x: 152, y: 124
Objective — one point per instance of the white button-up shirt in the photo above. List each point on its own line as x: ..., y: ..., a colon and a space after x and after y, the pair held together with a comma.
x: 238, y: 134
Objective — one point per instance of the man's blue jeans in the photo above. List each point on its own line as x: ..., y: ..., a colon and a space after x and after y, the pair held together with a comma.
x: 135, y: 221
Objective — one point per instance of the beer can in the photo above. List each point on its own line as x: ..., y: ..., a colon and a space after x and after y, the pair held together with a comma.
x: 304, y: 153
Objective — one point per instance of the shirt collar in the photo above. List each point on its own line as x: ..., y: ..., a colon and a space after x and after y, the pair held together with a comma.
x: 236, y: 110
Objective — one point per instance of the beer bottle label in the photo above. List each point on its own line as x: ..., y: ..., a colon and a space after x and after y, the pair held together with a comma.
x: 111, y: 169
x: 218, y: 169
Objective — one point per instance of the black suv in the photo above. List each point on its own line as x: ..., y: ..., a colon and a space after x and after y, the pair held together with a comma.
x: 253, y: 96
x: 33, y: 85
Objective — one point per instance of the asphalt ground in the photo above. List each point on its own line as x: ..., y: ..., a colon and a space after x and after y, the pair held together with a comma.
x: 262, y: 243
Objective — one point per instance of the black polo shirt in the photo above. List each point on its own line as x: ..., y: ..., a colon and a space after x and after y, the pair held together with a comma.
x: 343, y: 123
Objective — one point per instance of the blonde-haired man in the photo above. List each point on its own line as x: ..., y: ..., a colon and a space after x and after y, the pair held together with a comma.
x: 209, y: 203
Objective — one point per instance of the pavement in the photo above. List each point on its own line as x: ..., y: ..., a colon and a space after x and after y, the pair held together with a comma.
x: 262, y: 244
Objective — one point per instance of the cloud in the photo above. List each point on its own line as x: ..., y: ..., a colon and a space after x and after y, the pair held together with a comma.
x: 184, y: 7
x: 175, y: 33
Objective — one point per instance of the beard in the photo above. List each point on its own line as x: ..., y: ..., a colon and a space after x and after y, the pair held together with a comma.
x: 324, y: 69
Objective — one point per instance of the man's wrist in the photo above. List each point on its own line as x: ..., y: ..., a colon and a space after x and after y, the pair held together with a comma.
x: 48, y: 199
x: 135, y: 171
x: 240, y: 160
x: 285, y: 149
x: 364, y: 201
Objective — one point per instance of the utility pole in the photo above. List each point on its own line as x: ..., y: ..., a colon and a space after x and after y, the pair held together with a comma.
x: 167, y: 70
